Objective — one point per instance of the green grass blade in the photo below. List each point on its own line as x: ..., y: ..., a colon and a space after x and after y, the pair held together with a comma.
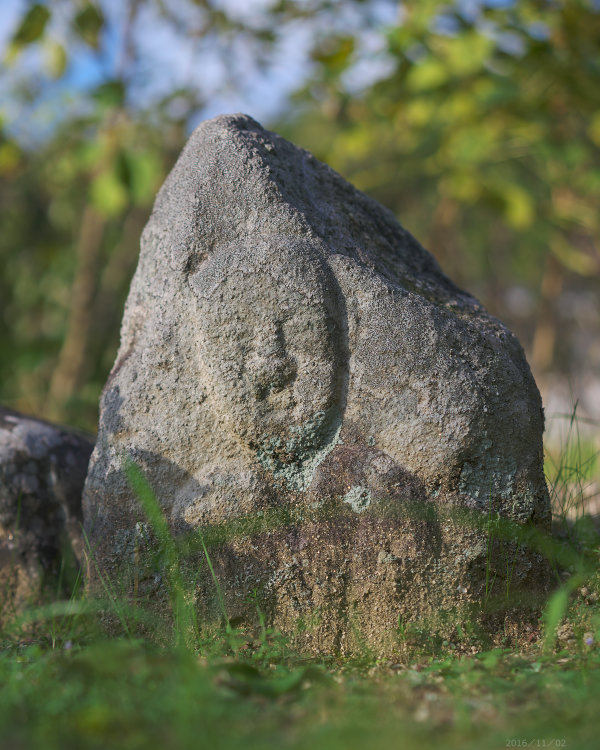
x: 182, y: 600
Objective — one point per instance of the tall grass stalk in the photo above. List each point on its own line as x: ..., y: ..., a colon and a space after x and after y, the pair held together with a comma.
x: 570, y: 473
x: 113, y: 600
x: 220, y: 597
x: 489, y: 581
x: 556, y: 609
x: 182, y: 599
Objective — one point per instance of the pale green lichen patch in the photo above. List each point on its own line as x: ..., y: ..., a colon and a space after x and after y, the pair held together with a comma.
x: 296, y: 460
x: 358, y: 498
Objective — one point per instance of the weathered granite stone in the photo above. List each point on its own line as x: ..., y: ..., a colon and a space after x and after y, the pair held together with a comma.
x: 299, y: 381
x: 42, y: 472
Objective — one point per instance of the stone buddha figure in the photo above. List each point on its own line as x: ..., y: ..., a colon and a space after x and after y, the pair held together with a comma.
x: 272, y: 348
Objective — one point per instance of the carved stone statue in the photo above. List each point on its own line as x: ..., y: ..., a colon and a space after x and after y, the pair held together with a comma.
x: 300, y: 383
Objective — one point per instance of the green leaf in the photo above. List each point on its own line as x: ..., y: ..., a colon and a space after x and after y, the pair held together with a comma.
x: 594, y: 129
x: 108, y: 194
x: 10, y: 156
x: 56, y: 56
x: 427, y: 75
x: 88, y: 24
x: 465, y: 54
x: 123, y: 170
x: 145, y: 174
x: 335, y: 54
x: 110, y: 94
x: 519, y: 208
x: 33, y: 25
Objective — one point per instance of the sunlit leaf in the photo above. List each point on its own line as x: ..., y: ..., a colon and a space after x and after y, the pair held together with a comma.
x: 428, y: 75
x: 56, y: 56
x: 419, y: 111
x: 10, y: 157
x: 519, y: 208
x: 573, y: 258
x: 471, y: 53
x: 594, y: 129
x: 108, y: 194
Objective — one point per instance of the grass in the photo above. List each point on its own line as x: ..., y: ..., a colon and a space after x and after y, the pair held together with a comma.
x: 572, y: 468
x: 64, y: 684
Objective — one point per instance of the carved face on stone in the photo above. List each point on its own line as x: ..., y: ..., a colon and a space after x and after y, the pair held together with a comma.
x: 270, y: 339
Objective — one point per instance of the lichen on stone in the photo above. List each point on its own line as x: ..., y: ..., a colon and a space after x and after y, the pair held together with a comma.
x: 358, y: 498
x: 296, y: 461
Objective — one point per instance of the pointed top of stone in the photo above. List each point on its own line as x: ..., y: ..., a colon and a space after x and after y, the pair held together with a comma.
x: 235, y: 180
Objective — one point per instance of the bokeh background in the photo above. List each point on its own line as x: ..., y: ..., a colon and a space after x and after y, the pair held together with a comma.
x: 477, y: 122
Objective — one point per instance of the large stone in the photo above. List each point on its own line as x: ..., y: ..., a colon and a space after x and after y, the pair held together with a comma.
x: 42, y: 472
x: 302, y: 385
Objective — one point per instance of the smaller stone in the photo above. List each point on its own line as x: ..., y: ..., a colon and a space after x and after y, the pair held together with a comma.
x: 42, y: 472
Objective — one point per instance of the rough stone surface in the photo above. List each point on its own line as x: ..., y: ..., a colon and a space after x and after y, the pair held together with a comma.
x: 296, y: 371
x: 42, y: 472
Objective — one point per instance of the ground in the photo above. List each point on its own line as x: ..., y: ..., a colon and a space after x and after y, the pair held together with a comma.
x: 65, y: 684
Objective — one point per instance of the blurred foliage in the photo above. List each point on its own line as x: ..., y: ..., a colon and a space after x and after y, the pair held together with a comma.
x: 76, y: 195
x: 73, y: 211
x: 483, y: 136
x: 478, y: 126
